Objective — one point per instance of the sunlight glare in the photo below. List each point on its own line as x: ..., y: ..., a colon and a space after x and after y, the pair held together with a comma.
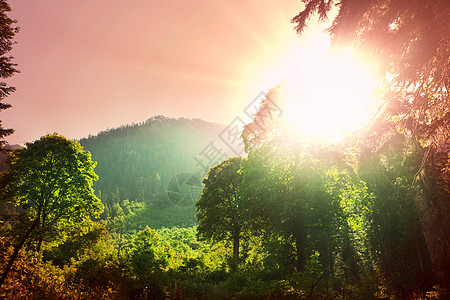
x: 326, y: 95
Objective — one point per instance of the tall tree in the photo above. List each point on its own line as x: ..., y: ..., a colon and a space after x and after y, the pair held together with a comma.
x: 219, y: 214
x: 395, y: 233
x: 7, y: 68
x: 410, y: 42
x: 52, y: 180
x: 286, y: 189
x: 266, y: 120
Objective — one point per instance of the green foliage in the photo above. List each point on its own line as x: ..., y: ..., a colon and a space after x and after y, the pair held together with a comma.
x: 280, y: 256
x: 353, y: 230
x: 296, y: 220
x: 408, y: 42
x: 304, y: 195
x: 138, y: 162
x: 90, y: 239
x: 148, y: 255
x: 395, y: 233
x: 285, y: 202
x: 52, y: 180
x: 218, y: 210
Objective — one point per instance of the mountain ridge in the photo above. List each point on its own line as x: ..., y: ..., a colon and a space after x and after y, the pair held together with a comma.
x: 155, y: 165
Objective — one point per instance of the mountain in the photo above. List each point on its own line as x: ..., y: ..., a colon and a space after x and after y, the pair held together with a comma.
x: 153, y: 170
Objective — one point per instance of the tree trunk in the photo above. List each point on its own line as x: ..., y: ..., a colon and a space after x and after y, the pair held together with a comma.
x: 438, y: 191
x: 300, y: 246
x: 419, y: 256
x: 434, y: 237
x: 432, y: 202
x: 39, y: 245
x: 16, y: 251
x: 299, y: 232
x: 330, y: 254
x: 236, y: 247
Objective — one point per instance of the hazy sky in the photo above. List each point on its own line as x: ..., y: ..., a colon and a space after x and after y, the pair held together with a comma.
x: 91, y: 65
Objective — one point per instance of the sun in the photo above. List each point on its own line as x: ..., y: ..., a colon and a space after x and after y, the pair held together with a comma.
x: 326, y: 96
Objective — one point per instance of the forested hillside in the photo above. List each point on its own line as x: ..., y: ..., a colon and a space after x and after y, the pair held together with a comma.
x: 142, y: 163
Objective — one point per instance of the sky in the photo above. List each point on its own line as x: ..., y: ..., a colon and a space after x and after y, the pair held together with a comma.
x: 91, y: 65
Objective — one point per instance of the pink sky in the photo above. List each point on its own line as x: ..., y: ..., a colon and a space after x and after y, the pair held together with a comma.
x: 91, y: 65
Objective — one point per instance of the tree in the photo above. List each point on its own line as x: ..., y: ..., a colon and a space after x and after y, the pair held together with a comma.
x: 284, y: 177
x: 266, y: 120
x: 7, y: 68
x: 219, y: 213
x: 52, y: 180
x: 284, y: 191
x: 147, y: 255
x: 410, y: 41
x: 395, y: 233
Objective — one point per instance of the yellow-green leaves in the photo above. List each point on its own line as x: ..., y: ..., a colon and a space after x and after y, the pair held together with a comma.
x: 53, y: 178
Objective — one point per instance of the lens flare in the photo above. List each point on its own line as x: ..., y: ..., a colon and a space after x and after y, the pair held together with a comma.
x: 326, y: 95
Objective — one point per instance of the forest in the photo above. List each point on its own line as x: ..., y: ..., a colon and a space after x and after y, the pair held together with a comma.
x: 131, y: 213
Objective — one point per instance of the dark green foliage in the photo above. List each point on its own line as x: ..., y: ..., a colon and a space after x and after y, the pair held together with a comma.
x: 8, y: 30
x: 94, y: 272
x: 82, y: 241
x: 359, y: 240
x: 395, y: 232
x: 219, y: 211
x: 408, y: 41
x: 281, y: 256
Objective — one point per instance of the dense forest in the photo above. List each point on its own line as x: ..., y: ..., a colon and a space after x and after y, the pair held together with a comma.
x: 293, y: 220
x: 136, y: 212
x: 146, y: 164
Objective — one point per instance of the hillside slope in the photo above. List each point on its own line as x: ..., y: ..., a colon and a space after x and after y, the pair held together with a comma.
x: 153, y: 170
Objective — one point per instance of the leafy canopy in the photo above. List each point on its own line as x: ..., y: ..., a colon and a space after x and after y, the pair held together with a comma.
x: 219, y: 212
x: 52, y: 179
